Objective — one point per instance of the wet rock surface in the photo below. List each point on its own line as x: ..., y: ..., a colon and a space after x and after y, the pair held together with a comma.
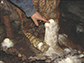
x: 71, y: 23
x: 23, y: 48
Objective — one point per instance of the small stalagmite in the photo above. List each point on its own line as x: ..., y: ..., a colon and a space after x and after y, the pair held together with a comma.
x: 7, y: 43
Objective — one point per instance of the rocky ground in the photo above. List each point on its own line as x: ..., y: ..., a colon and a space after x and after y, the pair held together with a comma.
x: 73, y: 23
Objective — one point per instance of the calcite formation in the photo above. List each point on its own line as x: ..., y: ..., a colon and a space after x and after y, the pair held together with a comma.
x: 44, y: 38
x: 51, y: 38
x: 7, y: 43
x: 48, y: 8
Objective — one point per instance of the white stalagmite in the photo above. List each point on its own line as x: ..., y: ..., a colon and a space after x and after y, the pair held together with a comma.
x: 7, y: 43
x: 51, y: 32
x: 51, y: 35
